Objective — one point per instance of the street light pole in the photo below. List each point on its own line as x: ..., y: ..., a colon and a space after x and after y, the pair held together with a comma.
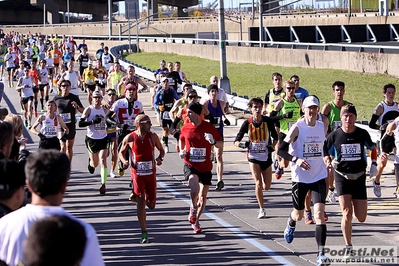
x: 224, y: 80
x: 110, y: 18
x: 68, y: 9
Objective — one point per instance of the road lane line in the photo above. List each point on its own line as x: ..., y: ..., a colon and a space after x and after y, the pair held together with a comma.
x: 225, y: 224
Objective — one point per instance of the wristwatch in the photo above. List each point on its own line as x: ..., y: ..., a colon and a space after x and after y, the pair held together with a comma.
x: 294, y: 159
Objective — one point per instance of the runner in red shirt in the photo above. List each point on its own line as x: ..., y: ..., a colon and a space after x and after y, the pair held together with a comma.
x: 196, y: 140
x: 142, y: 142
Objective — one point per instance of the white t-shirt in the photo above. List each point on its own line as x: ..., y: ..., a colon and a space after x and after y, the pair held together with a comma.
x: 14, y: 230
x: 221, y: 96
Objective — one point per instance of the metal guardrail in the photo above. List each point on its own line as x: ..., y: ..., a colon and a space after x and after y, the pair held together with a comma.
x: 266, y: 44
x: 234, y: 100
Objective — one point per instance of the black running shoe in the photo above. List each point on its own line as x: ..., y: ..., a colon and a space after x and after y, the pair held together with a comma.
x: 90, y: 168
x: 219, y: 185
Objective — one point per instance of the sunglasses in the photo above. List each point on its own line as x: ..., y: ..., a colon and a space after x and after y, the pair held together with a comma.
x: 65, y: 85
x: 192, y: 96
x: 111, y: 94
x: 290, y: 88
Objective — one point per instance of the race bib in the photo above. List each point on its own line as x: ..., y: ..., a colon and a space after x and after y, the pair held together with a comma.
x: 351, y: 152
x: 85, y: 64
x: 312, y: 150
x: 197, y: 155
x: 216, y: 122
x: 1, y: 58
x: 50, y: 131
x: 100, y: 77
x: 100, y: 126
x: 257, y: 147
x: 55, y: 56
x: 90, y: 81
x: 165, y: 115
x: 130, y: 123
x: 144, y: 168
x: 66, y: 117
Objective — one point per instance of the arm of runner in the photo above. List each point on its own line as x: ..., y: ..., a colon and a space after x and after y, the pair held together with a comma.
x: 83, y: 120
x: 38, y: 122
x: 159, y: 146
x: 123, y: 150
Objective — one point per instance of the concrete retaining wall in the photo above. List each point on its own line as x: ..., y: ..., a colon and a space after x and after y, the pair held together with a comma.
x: 353, y: 61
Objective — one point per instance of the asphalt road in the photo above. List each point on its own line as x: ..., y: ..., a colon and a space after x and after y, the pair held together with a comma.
x: 232, y: 234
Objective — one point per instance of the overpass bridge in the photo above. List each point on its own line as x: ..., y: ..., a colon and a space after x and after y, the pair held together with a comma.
x: 18, y: 12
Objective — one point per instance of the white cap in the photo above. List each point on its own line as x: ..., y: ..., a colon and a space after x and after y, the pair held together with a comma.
x: 164, y: 78
x: 97, y: 94
x: 90, y: 62
x: 311, y: 101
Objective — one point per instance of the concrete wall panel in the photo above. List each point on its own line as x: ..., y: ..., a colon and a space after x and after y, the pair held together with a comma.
x: 353, y: 61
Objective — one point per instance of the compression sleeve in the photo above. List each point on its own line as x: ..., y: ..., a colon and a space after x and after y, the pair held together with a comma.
x: 84, y: 123
x: 373, y: 122
x: 283, y: 151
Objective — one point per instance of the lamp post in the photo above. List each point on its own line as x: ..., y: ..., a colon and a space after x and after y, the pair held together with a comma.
x: 68, y: 9
x: 224, y: 81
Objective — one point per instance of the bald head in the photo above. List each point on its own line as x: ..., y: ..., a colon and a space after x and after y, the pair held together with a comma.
x: 213, y: 80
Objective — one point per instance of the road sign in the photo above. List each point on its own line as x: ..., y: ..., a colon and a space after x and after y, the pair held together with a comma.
x: 132, y: 9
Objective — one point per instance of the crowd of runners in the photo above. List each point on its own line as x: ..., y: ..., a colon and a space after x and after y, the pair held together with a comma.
x: 322, y: 145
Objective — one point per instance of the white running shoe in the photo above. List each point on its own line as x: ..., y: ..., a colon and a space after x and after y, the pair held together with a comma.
x: 166, y: 149
x: 113, y: 174
x: 331, y: 197
x: 376, y: 189
x: 262, y: 213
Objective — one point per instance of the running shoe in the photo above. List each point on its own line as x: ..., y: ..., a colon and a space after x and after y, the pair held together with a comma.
x: 42, y: 110
x: 396, y: 193
x: 121, y: 171
x: 308, y: 218
x: 325, y: 217
x: 90, y: 168
x: 392, y: 172
x: 275, y: 165
x: 279, y: 173
x: 26, y: 123
x: 51, y: 90
x: 29, y: 126
x: 166, y: 149
x: 348, y: 253
x: 196, y: 227
x: 36, y: 113
x: 219, y: 185
x: 322, y: 260
x: 192, y: 217
x: 289, y: 233
x: 102, y: 189
x: 144, y: 238
x: 376, y: 189
x: 262, y: 213
x: 331, y: 197
x: 133, y: 197
x: 113, y: 174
